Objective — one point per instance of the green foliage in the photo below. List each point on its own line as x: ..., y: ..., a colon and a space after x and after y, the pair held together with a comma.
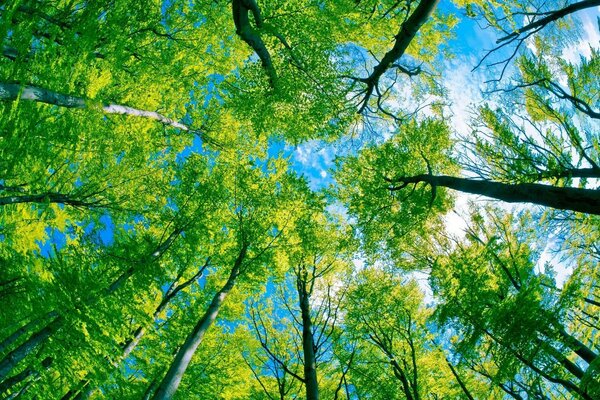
x: 138, y: 168
x: 389, y: 218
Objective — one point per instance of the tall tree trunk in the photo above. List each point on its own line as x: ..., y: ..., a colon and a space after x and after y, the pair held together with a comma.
x: 308, y: 343
x: 17, y: 355
x: 25, y: 374
x: 551, y: 17
x: 132, y: 343
x: 10, y: 361
x: 399, y: 373
x: 459, y: 380
x: 407, y: 33
x: 24, y: 329
x: 172, y: 379
x: 577, y: 346
x: 564, y: 198
x: 12, y: 91
x: 567, y: 364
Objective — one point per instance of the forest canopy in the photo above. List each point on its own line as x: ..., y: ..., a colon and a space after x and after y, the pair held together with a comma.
x: 345, y: 199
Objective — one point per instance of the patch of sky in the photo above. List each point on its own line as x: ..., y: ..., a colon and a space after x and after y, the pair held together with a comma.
x: 171, y: 205
x: 212, y: 89
x: 137, y: 219
x: 197, y: 147
x: 106, y: 233
x: 130, y: 366
x: 469, y: 40
x: 56, y: 240
x: 313, y: 160
x: 119, y: 157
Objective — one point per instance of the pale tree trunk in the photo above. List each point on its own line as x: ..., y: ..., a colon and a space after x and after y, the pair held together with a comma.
x: 12, y: 91
x: 172, y: 379
x: 12, y: 359
x: 563, y: 198
x: 132, y: 343
x: 13, y: 337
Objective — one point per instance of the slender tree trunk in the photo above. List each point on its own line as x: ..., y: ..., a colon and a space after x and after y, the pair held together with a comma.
x: 308, y: 343
x: 10, y: 361
x: 24, y: 329
x: 577, y: 346
x: 132, y: 343
x: 23, y: 375
x: 20, y: 392
x: 567, y: 364
x: 17, y: 355
x: 12, y: 91
x: 172, y: 379
x: 459, y: 380
x: 48, y: 198
x: 399, y: 373
x: 564, y: 198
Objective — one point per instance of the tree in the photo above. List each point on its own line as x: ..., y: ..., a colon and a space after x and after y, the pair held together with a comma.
x: 167, y: 228
x: 388, y: 318
x: 509, y: 310
x: 257, y: 217
x: 301, y: 347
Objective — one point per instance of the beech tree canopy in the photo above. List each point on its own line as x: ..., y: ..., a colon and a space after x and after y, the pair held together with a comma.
x: 345, y: 199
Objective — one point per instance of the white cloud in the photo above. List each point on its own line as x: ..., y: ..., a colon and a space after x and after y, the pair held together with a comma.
x: 590, y: 37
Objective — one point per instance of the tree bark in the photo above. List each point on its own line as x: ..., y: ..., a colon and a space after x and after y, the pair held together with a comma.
x: 407, y: 32
x: 13, y: 91
x: 241, y: 10
x: 11, y: 360
x: 551, y: 17
x: 308, y: 343
x: 399, y: 373
x: 17, y: 355
x: 172, y: 379
x: 563, y: 198
x: 577, y: 346
x: 459, y: 380
x: 132, y: 343
x: 24, y: 329
x: 49, y: 198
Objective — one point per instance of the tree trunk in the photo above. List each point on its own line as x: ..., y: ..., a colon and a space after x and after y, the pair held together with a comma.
x: 407, y: 32
x: 553, y: 16
x: 567, y: 364
x: 13, y: 358
x: 399, y: 373
x: 170, y: 382
x: 49, y: 198
x: 577, y: 346
x: 12, y: 91
x: 563, y: 198
x: 308, y: 343
x: 459, y: 380
x: 24, y: 329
